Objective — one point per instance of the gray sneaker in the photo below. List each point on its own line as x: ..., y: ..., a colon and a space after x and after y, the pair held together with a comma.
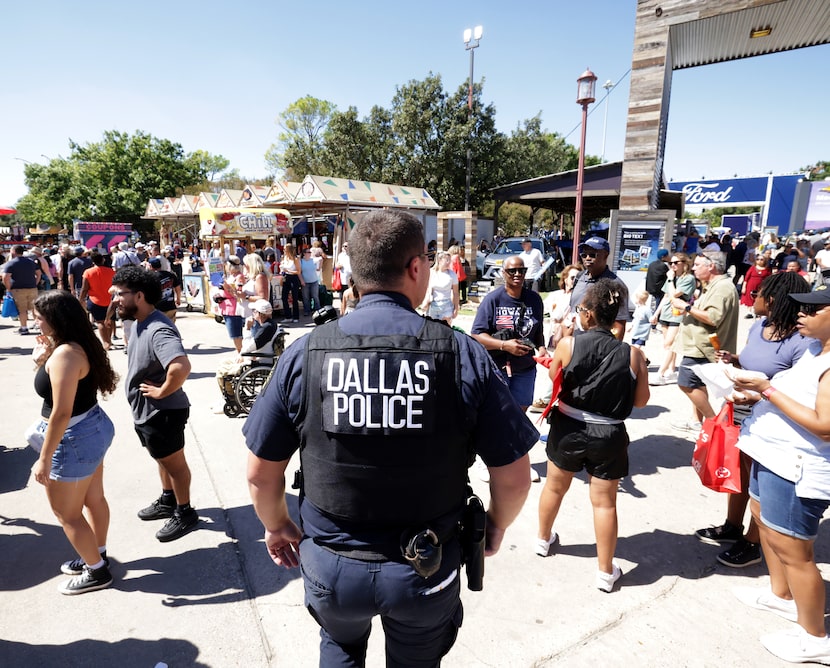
x: 76, y: 566
x: 685, y: 425
x: 88, y: 580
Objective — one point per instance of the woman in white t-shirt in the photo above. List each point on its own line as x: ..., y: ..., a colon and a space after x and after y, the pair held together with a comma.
x: 441, y: 301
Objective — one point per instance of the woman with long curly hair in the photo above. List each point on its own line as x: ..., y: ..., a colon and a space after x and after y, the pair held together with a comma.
x: 74, y: 434
x: 774, y: 344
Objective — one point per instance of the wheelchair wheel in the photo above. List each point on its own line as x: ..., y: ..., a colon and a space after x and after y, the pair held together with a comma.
x: 231, y: 410
x: 249, y: 386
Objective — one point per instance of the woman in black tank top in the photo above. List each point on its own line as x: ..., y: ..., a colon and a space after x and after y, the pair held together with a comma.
x: 75, y: 434
x: 602, y: 379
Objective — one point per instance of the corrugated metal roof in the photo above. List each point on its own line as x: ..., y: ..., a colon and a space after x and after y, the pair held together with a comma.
x: 794, y: 24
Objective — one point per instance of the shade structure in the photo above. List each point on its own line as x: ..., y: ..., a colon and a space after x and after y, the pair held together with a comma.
x: 5, y: 211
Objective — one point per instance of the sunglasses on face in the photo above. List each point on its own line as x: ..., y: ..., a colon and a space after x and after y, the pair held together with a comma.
x: 676, y: 262
x: 810, y: 309
x: 516, y: 270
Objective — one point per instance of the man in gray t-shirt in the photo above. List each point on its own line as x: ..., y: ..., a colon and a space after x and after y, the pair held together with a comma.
x: 157, y: 367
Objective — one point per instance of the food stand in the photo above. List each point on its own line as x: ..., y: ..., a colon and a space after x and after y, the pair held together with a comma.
x: 246, y: 223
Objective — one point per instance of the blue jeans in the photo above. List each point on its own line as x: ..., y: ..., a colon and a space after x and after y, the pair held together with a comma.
x: 311, y: 291
x: 420, y: 616
x: 521, y: 384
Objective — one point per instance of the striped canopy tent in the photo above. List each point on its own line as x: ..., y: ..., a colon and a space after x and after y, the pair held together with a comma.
x: 353, y: 199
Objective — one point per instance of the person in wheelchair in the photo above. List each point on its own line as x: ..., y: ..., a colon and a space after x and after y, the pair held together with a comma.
x: 263, y: 330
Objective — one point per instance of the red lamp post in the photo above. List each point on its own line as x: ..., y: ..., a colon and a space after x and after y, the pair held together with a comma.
x: 585, y: 95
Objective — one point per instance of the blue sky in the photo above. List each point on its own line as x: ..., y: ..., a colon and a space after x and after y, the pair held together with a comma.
x: 215, y: 76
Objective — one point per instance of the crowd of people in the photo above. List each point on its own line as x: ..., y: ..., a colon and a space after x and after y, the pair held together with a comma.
x: 383, y: 374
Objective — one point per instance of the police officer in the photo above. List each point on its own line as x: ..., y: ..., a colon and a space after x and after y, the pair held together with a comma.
x: 387, y: 408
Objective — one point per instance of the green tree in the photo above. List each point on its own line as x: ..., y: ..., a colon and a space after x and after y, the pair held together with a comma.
x: 299, y: 149
x: 209, y: 166
x: 345, y: 141
x: 111, y: 179
x: 818, y: 172
x: 531, y: 152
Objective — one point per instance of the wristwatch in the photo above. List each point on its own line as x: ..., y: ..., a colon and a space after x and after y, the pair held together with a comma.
x: 688, y: 308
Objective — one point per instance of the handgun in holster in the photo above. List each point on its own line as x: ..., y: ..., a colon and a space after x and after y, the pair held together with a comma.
x: 473, y: 530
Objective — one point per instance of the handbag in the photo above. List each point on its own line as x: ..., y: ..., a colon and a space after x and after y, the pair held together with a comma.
x: 716, y: 458
x: 9, y: 307
x: 336, y: 281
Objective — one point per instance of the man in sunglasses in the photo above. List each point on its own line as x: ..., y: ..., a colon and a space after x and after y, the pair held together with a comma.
x: 508, y: 324
x: 594, y: 255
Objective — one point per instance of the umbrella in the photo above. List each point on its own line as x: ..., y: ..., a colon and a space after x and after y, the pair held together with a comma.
x: 5, y: 211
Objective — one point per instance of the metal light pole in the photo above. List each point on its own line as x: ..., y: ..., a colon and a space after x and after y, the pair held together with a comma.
x: 471, y: 42
x: 608, y: 85
x: 585, y: 95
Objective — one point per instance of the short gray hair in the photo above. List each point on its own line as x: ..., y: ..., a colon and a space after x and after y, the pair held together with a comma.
x: 717, y: 259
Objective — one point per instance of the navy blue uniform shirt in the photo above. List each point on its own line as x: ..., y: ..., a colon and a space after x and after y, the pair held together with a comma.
x: 500, y: 432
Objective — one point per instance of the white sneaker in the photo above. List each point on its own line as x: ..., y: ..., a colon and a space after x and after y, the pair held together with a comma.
x: 762, y: 598
x: 481, y: 470
x: 534, y: 475
x: 542, y: 546
x: 605, y: 581
x: 797, y: 646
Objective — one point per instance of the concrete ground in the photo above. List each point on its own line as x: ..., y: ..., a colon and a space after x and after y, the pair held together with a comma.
x: 213, y: 598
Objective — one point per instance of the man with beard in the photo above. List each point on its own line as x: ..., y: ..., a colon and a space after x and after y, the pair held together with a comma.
x: 157, y: 367
x: 594, y: 254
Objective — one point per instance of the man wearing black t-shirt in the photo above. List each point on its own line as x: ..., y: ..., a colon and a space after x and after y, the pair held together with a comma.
x: 171, y: 289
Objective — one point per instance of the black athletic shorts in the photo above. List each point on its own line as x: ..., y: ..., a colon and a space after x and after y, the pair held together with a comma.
x: 163, y: 434
x: 601, y: 449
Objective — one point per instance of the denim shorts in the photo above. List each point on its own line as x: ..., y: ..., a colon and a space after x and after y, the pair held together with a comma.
x: 441, y: 310
x: 82, y: 447
x: 233, y: 323
x: 781, y: 509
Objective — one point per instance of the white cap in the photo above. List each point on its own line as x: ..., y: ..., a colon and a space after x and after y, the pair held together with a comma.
x: 262, y: 306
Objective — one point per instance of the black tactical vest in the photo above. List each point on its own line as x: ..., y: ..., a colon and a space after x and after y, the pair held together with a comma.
x: 598, y: 378
x: 383, y: 439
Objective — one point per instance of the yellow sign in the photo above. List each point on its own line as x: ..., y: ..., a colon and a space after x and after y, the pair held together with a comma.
x: 244, y: 222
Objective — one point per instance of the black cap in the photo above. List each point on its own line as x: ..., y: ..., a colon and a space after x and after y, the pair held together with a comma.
x: 154, y: 262
x: 821, y: 295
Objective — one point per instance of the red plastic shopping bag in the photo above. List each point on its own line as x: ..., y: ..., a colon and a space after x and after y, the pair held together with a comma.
x: 717, y: 459
x: 557, y: 386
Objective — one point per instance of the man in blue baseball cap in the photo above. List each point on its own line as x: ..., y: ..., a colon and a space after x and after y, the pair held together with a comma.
x: 594, y: 253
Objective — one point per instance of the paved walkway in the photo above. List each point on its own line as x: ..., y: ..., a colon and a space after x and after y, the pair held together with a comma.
x: 213, y: 598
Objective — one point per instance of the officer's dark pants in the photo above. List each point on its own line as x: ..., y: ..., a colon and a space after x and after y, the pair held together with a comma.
x: 344, y: 594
